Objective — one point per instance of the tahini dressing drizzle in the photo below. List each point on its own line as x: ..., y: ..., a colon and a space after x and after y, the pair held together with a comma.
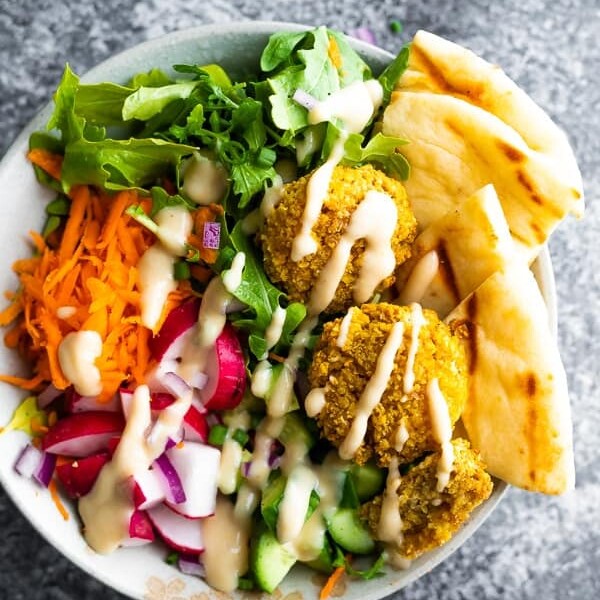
x: 442, y: 432
x: 373, y: 391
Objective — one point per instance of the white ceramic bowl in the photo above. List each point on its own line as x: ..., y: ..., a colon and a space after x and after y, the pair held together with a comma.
x: 142, y: 573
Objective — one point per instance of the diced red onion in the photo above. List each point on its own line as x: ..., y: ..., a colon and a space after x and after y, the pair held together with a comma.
x: 364, y: 34
x: 190, y: 565
x: 304, y: 99
x: 174, y: 488
x: 48, y: 395
x: 28, y: 461
x: 36, y: 464
x: 199, y: 380
x: 45, y: 470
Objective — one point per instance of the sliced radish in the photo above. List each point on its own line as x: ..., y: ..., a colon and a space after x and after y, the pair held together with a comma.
x: 198, y: 467
x: 78, y: 476
x: 160, y: 400
x: 178, y: 532
x: 179, y: 321
x: 76, y: 403
x: 172, y: 485
x: 195, y: 426
x: 140, y: 530
x: 148, y: 489
x: 83, y: 434
x: 226, y: 373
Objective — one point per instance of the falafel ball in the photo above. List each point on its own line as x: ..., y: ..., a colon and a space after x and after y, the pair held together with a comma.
x: 429, y: 517
x: 347, y: 188
x: 344, y: 371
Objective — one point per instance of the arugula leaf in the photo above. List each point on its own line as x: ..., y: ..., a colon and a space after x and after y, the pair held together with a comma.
x: 120, y: 164
x: 248, y: 179
x: 319, y: 63
x: 279, y: 49
x: 259, y: 294
x: 146, y: 102
x: 393, y: 72
x: 380, y: 149
x: 375, y: 570
x: 161, y: 199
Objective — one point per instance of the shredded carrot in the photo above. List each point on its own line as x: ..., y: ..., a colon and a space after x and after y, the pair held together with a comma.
x: 47, y: 161
x: 331, y: 582
x: 333, y: 51
x: 276, y: 357
x: 57, y: 501
x: 92, y: 272
x: 201, y: 216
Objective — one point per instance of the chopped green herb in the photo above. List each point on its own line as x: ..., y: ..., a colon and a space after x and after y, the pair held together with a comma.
x: 181, y: 270
x: 52, y: 224
x: 240, y: 436
x: 217, y: 435
x: 245, y: 583
x: 172, y: 558
x: 59, y: 207
x: 396, y: 26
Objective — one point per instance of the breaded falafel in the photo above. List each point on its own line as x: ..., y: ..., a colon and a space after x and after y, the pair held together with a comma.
x: 344, y: 369
x: 430, y: 517
x: 347, y: 189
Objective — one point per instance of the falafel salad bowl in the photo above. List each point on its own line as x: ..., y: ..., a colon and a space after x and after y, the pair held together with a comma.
x: 284, y: 319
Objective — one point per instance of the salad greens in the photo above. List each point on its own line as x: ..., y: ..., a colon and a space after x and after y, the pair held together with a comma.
x: 140, y: 134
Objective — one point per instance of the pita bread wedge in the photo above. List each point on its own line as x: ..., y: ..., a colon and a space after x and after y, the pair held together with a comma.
x: 457, y: 253
x: 517, y: 414
x: 440, y: 66
x: 469, y: 125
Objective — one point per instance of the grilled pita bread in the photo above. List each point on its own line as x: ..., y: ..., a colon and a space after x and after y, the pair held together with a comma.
x: 517, y: 414
x: 470, y: 243
x: 469, y: 125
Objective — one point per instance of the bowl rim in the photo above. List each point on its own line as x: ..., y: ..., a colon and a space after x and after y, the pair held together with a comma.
x: 121, y: 62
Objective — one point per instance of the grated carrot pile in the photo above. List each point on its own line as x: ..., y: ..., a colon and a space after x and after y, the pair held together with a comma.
x: 87, y: 282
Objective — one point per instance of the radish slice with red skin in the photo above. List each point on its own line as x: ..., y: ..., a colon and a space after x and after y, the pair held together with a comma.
x: 226, y: 372
x: 76, y: 403
x: 78, y: 476
x: 83, y: 434
x: 140, y: 530
x: 177, y: 323
x: 148, y: 489
x: 198, y: 468
x: 195, y: 426
x: 179, y: 533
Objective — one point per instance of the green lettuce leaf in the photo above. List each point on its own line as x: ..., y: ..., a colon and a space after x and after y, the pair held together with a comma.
x: 146, y: 102
x: 393, y: 72
x: 380, y: 149
x: 64, y: 118
x: 101, y: 103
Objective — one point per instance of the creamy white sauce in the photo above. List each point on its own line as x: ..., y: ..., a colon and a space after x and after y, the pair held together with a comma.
x: 418, y: 320
x: 204, y: 181
x: 442, y: 432
x: 354, y: 105
x: 389, y: 527
x: 232, y: 453
x: 156, y: 279
x: 294, y: 504
x: 226, y: 536
x: 213, y: 313
x: 261, y: 379
x: 265, y: 435
x: 281, y: 396
x: 246, y: 501
x: 174, y: 227
x: 275, y: 328
x: 374, y: 220
x: 401, y: 437
x: 317, y: 188
x: 345, y: 328
x: 106, y: 511
x: 314, y: 401
x: 77, y: 355
x: 65, y: 312
x: 420, y: 278
x: 373, y: 392
x: 232, y: 277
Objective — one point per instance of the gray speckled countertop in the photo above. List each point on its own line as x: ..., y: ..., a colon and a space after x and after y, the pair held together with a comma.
x: 532, y: 546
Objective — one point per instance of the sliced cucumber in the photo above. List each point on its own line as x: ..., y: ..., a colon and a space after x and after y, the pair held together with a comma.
x: 270, y: 562
x: 368, y: 480
x: 295, y: 431
x: 324, y: 562
x: 347, y: 530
